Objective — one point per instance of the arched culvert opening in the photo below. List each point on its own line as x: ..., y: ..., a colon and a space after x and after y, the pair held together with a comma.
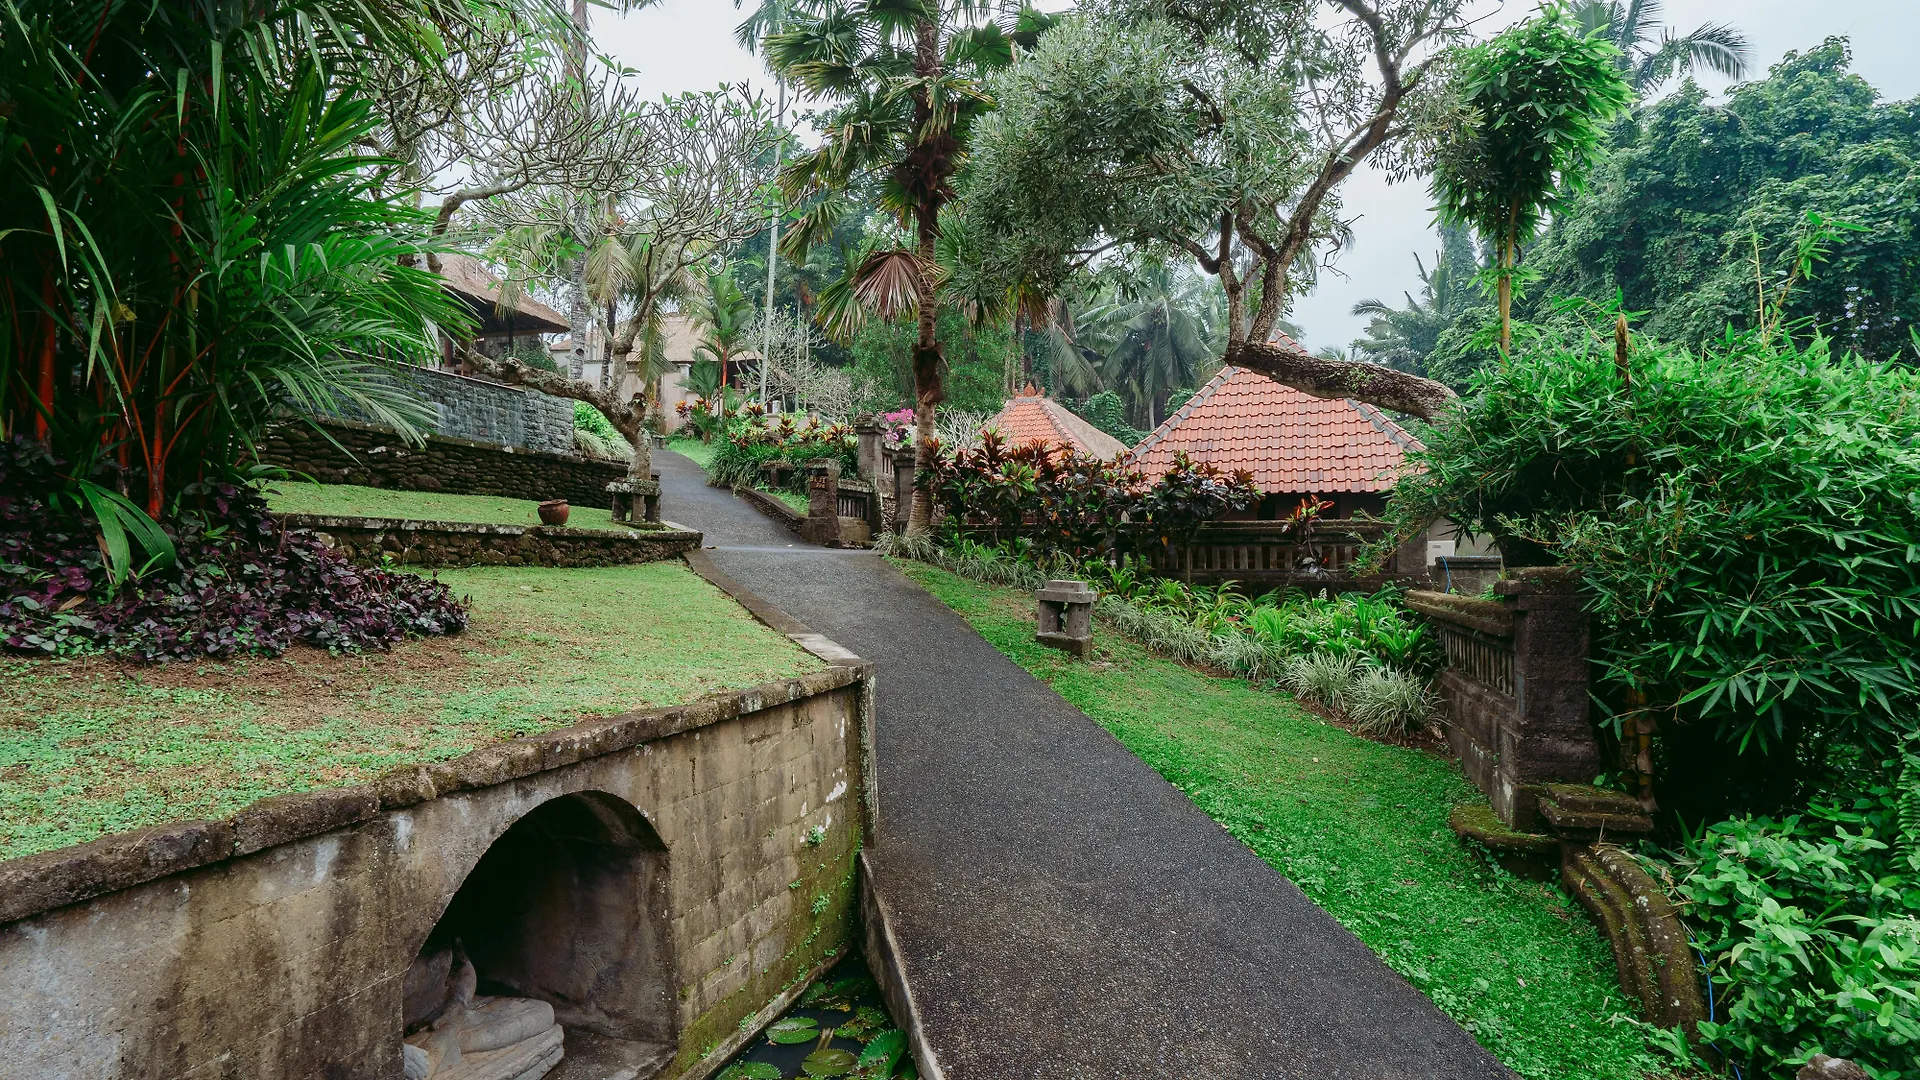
x: 556, y: 943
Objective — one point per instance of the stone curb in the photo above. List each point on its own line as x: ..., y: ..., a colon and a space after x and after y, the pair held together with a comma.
x: 886, y: 962
x: 37, y: 883
x: 480, y: 528
x: 772, y: 507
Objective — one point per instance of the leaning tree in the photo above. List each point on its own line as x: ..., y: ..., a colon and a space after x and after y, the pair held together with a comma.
x: 901, y: 82
x: 1223, y: 131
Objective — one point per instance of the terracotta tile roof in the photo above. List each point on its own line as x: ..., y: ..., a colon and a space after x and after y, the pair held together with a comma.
x: 1033, y: 416
x: 1290, y: 441
x: 470, y: 279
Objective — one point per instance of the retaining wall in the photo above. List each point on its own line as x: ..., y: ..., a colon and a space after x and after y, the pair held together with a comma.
x: 378, y: 457
x: 371, y: 541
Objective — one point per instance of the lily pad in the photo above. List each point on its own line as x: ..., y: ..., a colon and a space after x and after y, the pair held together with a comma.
x: 794, y: 1029
x: 751, y: 1070
x: 828, y: 1061
x: 885, y: 1047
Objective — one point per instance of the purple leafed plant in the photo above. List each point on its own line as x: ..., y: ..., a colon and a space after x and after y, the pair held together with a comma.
x: 241, y: 583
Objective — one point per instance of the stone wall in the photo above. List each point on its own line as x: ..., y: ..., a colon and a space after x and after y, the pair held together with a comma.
x: 377, y: 457
x: 1516, y: 687
x: 722, y: 839
x: 487, y: 412
x: 372, y: 541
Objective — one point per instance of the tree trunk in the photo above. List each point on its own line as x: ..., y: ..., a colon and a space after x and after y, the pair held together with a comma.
x: 928, y: 392
x: 1506, y: 294
x: 628, y: 417
x: 1324, y: 378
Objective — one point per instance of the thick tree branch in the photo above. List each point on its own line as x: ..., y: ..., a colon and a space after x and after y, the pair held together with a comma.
x: 1324, y: 378
x: 627, y: 417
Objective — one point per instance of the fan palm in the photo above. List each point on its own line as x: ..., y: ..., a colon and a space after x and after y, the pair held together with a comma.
x: 1650, y: 54
x: 901, y: 80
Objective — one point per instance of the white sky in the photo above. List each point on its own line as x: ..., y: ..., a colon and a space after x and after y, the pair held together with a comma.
x: 688, y: 45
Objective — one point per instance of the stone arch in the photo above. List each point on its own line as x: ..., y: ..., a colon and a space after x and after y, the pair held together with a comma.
x: 568, y: 905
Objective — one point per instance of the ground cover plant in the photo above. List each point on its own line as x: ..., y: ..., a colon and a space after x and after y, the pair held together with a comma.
x: 1361, y: 828
x: 221, y: 578
x: 297, y: 497
x: 94, y: 745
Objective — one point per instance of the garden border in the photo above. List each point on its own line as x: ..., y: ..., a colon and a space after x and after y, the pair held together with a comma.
x: 372, y: 541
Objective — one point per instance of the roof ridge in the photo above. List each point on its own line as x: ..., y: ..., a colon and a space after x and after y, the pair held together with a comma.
x: 1199, y: 398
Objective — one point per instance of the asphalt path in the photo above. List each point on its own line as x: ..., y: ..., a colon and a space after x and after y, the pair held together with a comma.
x: 1061, y: 910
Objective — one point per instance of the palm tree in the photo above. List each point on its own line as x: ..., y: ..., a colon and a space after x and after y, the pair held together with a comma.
x: 1404, y: 337
x: 1650, y: 54
x: 721, y: 317
x: 902, y: 84
x: 1154, y: 334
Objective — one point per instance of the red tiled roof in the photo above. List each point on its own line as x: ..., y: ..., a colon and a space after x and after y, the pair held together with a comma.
x: 1289, y: 440
x: 1032, y: 416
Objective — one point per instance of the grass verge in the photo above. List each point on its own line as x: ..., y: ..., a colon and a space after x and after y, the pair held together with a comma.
x: 700, y: 453
x: 1361, y: 827
x: 352, y: 500
x: 97, y: 745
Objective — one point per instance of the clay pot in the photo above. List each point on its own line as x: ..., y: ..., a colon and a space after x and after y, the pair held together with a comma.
x: 554, y: 512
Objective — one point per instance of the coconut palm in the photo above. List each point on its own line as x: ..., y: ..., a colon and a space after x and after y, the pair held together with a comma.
x: 1404, y: 337
x: 1650, y: 54
x: 1155, y: 332
x: 901, y: 83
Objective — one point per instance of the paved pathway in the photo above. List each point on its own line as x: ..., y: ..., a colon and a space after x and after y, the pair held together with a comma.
x: 1062, y: 911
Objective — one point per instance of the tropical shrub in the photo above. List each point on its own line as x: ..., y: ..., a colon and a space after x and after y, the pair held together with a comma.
x: 1747, y: 521
x: 751, y: 442
x: 1375, y: 628
x: 1385, y: 703
x: 194, y: 235
x: 238, y: 582
x: 1319, y: 678
x: 1810, y: 930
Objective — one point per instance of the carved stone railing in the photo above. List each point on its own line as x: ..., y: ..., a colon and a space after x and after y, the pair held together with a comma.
x: 1269, y: 554
x: 1516, y: 687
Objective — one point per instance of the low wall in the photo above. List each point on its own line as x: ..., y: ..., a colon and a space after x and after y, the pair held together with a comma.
x: 377, y: 457
x: 693, y: 867
x: 371, y: 541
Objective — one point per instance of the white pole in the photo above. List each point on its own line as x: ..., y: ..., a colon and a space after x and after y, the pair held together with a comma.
x: 773, y: 253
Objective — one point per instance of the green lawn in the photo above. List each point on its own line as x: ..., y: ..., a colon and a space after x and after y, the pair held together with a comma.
x: 701, y: 453
x: 1361, y: 827
x: 97, y: 745
x: 295, y: 497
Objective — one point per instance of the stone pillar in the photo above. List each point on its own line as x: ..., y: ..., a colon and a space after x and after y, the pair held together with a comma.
x: 902, y: 487
x: 823, y: 503
x: 872, y: 451
x: 1063, y: 616
x: 1550, y: 739
x: 1410, y: 558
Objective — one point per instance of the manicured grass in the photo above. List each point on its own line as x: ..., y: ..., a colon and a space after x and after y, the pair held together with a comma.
x: 295, y: 497
x: 700, y: 453
x: 1362, y: 828
x: 95, y: 745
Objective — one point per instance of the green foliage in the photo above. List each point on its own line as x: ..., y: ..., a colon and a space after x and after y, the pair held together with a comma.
x: 1409, y: 337
x: 210, y: 242
x: 1105, y: 411
x: 1811, y: 930
x: 751, y: 442
x: 1671, y: 217
x: 1748, y: 524
x: 587, y: 418
x: 975, y: 359
x: 1649, y: 59
x: 1540, y: 93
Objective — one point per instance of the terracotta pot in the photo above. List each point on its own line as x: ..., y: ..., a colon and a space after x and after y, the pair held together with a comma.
x: 554, y: 512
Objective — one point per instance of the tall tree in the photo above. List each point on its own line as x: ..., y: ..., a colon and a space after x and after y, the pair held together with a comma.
x: 1541, y: 94
x: 901, y: 83
x: 1153, y: 334
x: 1650, y: 54
x: 1223, y: 131
x: 722, y: 315
x: 1691, y: 187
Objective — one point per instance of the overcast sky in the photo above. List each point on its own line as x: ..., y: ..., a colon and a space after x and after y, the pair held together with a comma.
x: 688, y: 44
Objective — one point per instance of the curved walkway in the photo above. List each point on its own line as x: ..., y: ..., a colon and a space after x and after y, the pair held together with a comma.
x: 1061, y: 911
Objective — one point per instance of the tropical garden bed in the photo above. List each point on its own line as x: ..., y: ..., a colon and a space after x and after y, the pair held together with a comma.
x: 1361, y: 827
x: 97, y: 744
